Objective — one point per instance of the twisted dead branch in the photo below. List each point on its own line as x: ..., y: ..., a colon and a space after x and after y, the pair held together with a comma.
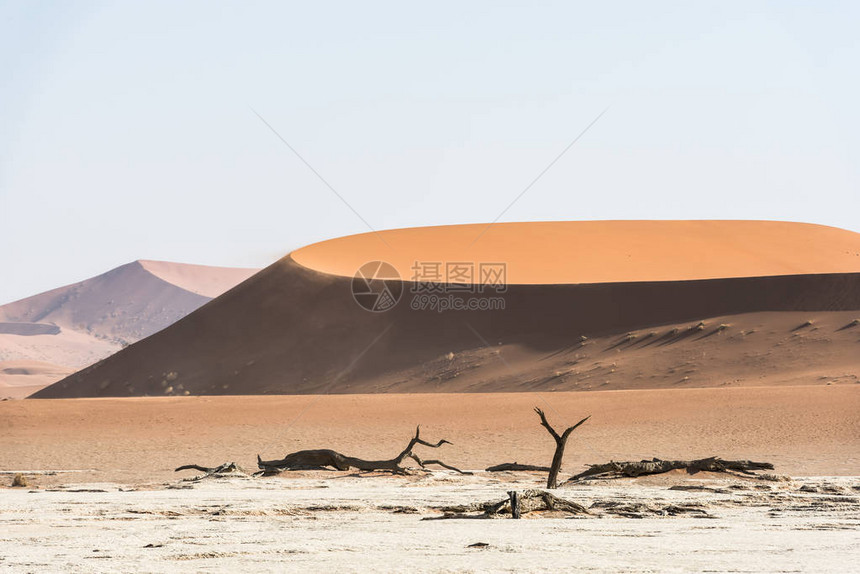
x: 325, y: 458
x: 213, y: 471
x: 560, y: 442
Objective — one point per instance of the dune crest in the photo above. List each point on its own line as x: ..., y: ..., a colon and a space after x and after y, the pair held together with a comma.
x: 575, y: 252
x: 200, y: 279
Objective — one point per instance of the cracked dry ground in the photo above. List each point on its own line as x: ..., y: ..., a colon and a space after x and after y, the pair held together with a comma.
x: 359, y: 521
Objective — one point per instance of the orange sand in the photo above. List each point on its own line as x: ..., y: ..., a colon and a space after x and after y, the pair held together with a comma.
x: 602, y: 251
x: 803, y: 430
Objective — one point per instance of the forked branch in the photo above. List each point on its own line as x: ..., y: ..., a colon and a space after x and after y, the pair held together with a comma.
x: 560, y: 443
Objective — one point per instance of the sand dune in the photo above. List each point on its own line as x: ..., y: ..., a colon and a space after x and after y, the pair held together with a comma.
x: 71, y: 348
x: 296, y: 329
x: 129, y: 302
x: 21, y: 378
x: 29, y: 329
x: 565, y: 252
x: 200, y: 279
x: 79, y: 324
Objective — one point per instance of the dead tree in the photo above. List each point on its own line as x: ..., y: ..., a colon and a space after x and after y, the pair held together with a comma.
x: 228, y: 468
x: 516, y: 504
x: 657, y: 466
x: 516, y: 511
x: 560, y: 442
x: 324, y: 458
x: 516, y: 466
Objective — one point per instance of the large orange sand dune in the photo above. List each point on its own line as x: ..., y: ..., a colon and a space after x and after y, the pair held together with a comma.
x: 613, y: 304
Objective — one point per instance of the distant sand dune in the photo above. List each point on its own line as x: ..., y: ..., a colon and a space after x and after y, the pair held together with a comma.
x: 28, y: 329
x: 81, y: 323
x: 21, y: 378
x: 200, y: 279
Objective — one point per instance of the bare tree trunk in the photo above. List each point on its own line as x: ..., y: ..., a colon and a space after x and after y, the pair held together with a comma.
x: 658, y: 466
x: 516, y: 466
x: 560, y: 442
x: 224, y: 469
x: 314, y: 459
x: 515, y: 503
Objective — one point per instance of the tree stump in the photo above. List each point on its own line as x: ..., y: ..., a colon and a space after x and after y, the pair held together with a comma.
x: 515, y: 503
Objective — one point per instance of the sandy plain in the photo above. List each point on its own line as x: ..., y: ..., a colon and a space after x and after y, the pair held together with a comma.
x: 803, y: 430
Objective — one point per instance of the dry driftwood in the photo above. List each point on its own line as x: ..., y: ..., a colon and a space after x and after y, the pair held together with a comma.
x: 516, y: 466
x: 516, y: 504
x: 657, y: 466
x: 560, y: 442
x: 324, y: 458
x: 635, y: 509
x: 226, y: 468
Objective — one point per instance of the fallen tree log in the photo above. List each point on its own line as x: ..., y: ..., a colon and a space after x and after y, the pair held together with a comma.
x: 516, y: 466
x: 305, y: 460
x: 516, y: 504
x: 325, y: 458
x: 634, y: 509
x: 614, y: 469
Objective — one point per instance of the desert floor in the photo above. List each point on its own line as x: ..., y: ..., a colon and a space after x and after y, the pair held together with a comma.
x: 803, y: 430
x: 103, y: 496
x: 358, y: 523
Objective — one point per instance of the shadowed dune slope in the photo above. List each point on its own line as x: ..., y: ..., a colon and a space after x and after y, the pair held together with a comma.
x: 294, y: 329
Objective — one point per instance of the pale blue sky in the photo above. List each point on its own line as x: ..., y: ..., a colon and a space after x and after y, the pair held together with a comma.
x: 127, y: 131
